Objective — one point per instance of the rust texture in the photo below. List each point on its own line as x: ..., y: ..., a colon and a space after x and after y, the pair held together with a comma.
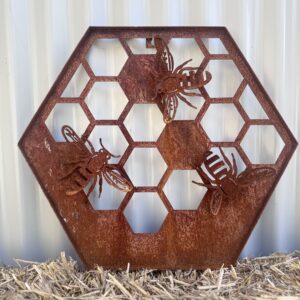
x: 212, y: 234
x: 226, y: 182
x: 175, y: 84
x: 88, y: 166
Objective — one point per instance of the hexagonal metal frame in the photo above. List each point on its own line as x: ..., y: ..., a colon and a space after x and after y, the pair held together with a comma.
x: 187, y: 239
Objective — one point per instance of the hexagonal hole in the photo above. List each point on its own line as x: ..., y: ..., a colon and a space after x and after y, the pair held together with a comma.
x: 110, y: 198
x: 185, y: 112
x: 145, y: 166
x: 145, y: 212
x: 138, y: 46
x: 66, y: 114
x: 222, y: 122
x: 183, y: 49
x: 214, y: 46
x: 182, y: 193
x: 228, y: 151
x: 112, y: 139
x: 77, y: 83
x: 106, y: 57
x: 262, y: 144
x: 251, y: 105
x: 144, y: 122
x: 106, y: 100
x: 226, y: 78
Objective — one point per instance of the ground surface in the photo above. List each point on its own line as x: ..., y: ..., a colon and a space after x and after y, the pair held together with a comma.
x: 273, y: 277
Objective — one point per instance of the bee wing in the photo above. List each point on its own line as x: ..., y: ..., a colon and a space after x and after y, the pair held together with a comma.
x: 72, y: 137
x: 170, y: 107
x: 251, y: 175
x: 73, y: 183
x: 114, y: 177
x: 215, y: 202
x: 164, y: 57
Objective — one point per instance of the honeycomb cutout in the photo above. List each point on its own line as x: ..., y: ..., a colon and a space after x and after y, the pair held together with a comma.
x: 107, y: 91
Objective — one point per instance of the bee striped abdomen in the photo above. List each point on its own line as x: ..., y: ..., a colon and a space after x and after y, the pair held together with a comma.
x: 82, y: 177
x: 189, y: 80
x: 215, y: 165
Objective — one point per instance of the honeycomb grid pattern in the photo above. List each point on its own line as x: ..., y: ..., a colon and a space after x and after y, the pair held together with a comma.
x: 180, y: 45
x: 104, y: 80
x: 186, y: 160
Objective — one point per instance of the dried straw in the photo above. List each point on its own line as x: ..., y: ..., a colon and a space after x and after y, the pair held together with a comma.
x: 273, y: 277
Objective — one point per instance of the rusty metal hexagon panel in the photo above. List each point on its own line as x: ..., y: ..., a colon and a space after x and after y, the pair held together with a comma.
x: 193, y: 238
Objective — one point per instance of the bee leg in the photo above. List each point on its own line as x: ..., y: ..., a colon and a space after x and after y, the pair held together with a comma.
x: 100, y: 184
x: 234, y: 165
x: 209, y: 186
x: 190, y: 94
x: 92, y: 185
x: 181, y: 66
x: 204, y: 175
x: 185, y: 101
x: 188, y: 69
x: 226, y: 159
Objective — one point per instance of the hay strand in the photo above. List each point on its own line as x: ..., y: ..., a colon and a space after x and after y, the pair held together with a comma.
x: 270, y: 277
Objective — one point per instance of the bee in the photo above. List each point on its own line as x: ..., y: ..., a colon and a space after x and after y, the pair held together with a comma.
x: 174, y: 84
x: 90, y: 165
x: 226, y: 183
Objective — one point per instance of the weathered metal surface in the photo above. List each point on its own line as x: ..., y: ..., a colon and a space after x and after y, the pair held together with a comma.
x: 226, y: 183
x: 175, y: 83
x: 84, y: 165
x: 201, y: 238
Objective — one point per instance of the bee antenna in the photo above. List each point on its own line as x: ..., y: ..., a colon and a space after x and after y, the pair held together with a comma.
x: 100, y: 140
x: 112, y: 155
x: 198, y: 183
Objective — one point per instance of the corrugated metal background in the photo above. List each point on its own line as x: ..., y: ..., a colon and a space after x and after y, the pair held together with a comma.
x: 36, y: 39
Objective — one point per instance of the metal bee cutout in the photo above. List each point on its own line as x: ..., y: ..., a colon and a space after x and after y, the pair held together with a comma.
x: 175, y: 84
x: 89, y: 165
x: 226, y: 182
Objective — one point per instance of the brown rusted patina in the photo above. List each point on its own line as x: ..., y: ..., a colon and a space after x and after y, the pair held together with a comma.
x: 175, y: 84
x: 226, y: 183
x: 88, y: 166
x: 209, y: 236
